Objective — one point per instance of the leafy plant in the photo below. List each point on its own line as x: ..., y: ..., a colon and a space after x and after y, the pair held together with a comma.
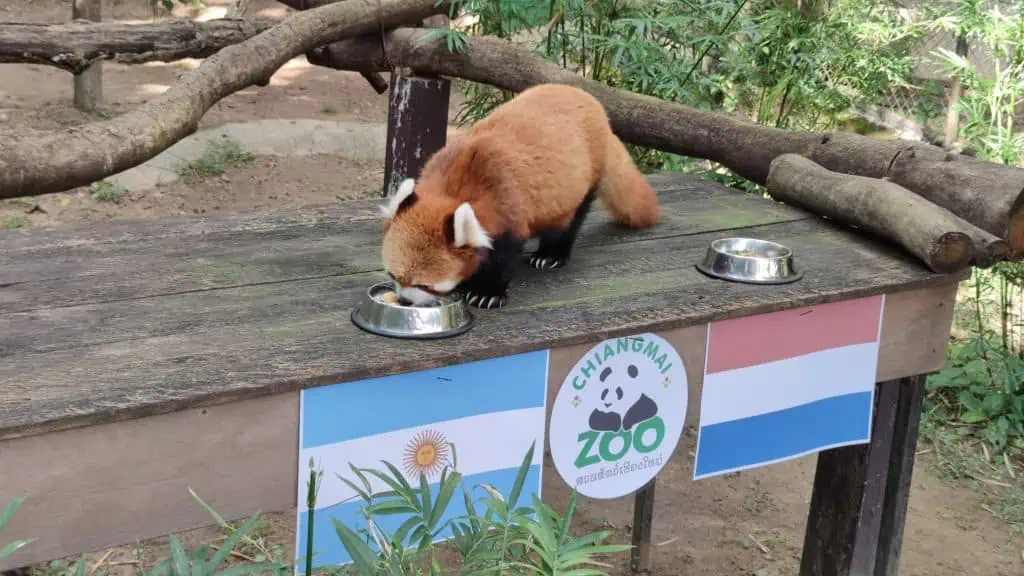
x: 201, y: 561
x: 5, y: 517
x: 107, y: 191
x: 217, y: 157
x: 14, y: 222
x: 169, y: 4
x: 504, y: 539
x: 982, y: 385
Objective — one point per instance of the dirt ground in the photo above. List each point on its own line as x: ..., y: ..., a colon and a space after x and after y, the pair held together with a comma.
x: 740, y: 524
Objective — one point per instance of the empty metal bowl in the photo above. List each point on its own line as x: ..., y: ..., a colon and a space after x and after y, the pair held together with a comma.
x: 375, y: 313
x: 749, y: 260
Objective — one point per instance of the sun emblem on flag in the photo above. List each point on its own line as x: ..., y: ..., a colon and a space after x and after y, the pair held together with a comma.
x: 427, y: 452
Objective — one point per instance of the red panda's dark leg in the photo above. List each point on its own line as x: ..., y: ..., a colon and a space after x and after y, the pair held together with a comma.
x: 488, y: 286
x: 556, y: 245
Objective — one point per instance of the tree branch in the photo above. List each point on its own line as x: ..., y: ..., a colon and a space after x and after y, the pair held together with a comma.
x: 59, y: 160
x: 77, y: 45
x: 988, y: 195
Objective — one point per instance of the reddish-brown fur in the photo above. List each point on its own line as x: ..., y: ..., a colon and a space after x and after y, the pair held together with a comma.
x: 524, y: 170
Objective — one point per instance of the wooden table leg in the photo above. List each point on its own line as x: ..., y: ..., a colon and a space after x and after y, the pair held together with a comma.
x: 901, y: 471
x: 859, y: 501
x: 643, y: 518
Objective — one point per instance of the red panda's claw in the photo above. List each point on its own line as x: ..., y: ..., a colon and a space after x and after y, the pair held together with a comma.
x: 488, y: 302
x: 545, y: 263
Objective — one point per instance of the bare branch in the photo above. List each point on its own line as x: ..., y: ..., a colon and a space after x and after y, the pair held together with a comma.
x: 988, y: 195
x: 59, y: 160
x: 77, y: 45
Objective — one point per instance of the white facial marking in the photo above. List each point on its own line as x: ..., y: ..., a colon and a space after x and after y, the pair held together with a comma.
x: 415, y: 295
x: 403, y: 192
x: 468, y: 231
x: 446, y: 286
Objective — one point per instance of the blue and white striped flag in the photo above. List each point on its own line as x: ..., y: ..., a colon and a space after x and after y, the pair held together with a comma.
x: 491, y: 410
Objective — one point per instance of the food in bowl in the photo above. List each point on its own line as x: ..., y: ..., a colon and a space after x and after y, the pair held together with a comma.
x: 387, y: 297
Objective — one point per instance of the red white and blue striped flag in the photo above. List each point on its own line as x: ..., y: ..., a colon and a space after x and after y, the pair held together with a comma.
x: 782, y: 385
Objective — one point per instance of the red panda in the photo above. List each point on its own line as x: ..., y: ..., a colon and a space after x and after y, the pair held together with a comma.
x: 532, y: 168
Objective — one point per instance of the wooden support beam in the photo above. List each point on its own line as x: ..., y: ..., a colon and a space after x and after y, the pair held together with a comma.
x: 417, y: 126
x: 843, y: 531
x: 88, y: 85
x: 643, y: 519
x: 901, y: 471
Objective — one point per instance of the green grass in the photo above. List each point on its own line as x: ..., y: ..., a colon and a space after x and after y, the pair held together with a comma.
x: 106, y: 191
x: 218, y: 156
x: 329, y: 108
x: 14, y: 222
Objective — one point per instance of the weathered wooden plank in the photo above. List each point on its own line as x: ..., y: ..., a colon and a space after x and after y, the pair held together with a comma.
x: 901, y: 471
x: 84, y: 364
x: 133, y: 484
x: 653, y: 267
x: 88, y: 86
x: 74, y: 273
x: 417, y: 126
x: 845, y: 517
x: 304, y: 220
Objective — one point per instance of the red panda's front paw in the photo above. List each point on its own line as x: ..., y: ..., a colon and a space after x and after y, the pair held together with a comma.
x: 481, y: 301
x: 549, y: 263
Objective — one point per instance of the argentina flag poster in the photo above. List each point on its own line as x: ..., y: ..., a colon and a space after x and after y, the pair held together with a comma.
x: 479, y: 418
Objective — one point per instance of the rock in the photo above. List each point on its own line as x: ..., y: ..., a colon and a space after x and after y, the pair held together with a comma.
x: 766, y: 572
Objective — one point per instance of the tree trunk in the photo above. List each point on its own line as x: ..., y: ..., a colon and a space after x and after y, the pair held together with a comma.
x: 77, y: 156
x: 988, y: 195
x: 77, y: 45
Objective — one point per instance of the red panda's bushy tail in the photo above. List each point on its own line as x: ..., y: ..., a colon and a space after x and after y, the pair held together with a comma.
x: 624, y: 191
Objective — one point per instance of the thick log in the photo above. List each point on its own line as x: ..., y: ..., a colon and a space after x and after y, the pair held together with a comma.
x: 77, y: 156
x: 744, y: 147
x: 77, y: 45
x: 940, y: 239
x: 986, y: 194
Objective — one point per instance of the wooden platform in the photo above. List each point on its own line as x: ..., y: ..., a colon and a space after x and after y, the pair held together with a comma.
x: 215, y: 323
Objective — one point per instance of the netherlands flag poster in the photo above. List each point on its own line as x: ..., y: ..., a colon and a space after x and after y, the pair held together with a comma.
x: 786, y: 384
x: 482, y: 416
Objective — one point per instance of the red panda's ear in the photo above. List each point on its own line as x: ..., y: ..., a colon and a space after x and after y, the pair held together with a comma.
x: 466, y: 229
x: 401, y: 199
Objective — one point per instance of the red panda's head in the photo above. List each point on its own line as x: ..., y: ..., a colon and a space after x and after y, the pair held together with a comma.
x: 432, y: 243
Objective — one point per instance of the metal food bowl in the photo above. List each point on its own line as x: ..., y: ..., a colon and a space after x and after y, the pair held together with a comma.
x: 376, y: 314
x: 749, y: 260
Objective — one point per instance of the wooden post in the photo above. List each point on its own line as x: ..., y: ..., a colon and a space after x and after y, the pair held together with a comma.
x: 952, y: 131
x: 417, y: 125
x: 89, y: 84
x: 643, y: 518
x: 901, y: 471
x: 850, y: 488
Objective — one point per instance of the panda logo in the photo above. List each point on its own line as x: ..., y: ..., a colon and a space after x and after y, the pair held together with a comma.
x: 609, y: 419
